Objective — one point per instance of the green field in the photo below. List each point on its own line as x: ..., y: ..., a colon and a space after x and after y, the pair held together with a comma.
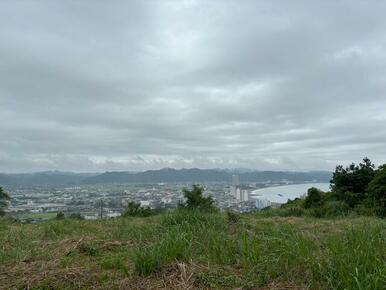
x: 194, y: 250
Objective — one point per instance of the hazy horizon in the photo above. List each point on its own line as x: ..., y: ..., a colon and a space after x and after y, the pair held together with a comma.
x: 163, y: 168
x: 94, y: 86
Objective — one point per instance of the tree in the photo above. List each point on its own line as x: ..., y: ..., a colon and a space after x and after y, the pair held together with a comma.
x: 196, y: 200
x: 314, y: 198
x: 76, y: 216
x: 377, y: 190
x: 135, y: 209
x: 60, y: 216
x: 350, y: 184
x: 4, y: 197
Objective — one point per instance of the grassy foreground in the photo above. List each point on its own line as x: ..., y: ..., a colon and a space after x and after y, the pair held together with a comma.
x: 193, y: 250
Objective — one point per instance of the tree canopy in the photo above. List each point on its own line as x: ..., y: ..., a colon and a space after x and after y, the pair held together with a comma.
x: 135, y: 209
x: 350, y: 184
x: 377, y: 190
x: 4, y: 197
x: 314, y: 198
x: 196, y: 200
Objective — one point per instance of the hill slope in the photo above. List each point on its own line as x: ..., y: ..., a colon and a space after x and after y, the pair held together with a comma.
x: 191, y: 250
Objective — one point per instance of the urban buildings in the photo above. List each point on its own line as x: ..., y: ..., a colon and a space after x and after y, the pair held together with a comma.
x: 241, y: 195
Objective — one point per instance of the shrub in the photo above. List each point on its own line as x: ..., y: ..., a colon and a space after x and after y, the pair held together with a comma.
x: 4, y: 197
x: 60, y: 216
x: 377, y: 191
x: 314, y: 198
x: 297, y: 202
x: 349, y: 184
x: 330, y: 209
x: 196, y: 200
x: 292, y: 211
x: 135, y: 209
x: 76, y: 216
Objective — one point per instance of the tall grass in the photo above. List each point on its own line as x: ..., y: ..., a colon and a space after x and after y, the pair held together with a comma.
x: 247, y: 252
x: 354, y: 259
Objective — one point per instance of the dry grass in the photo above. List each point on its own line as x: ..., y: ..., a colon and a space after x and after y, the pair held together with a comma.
x: 26, y: 275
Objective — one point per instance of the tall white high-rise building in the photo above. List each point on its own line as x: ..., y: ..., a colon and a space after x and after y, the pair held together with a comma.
x: 235, y: 188
x: 238, y: 194
x: 262, y: 203
x: 245, y: 195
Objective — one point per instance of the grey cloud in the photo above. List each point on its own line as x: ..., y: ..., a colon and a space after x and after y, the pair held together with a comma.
x: 94, y: 86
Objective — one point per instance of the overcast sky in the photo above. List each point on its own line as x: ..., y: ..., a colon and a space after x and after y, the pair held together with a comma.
x: 133, y: 85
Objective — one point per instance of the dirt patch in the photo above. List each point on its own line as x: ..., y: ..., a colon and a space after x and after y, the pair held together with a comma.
x: 68, y: 246
x: 176, y: 276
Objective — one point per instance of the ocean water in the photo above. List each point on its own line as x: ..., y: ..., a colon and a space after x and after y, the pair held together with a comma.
x: 281, y: 194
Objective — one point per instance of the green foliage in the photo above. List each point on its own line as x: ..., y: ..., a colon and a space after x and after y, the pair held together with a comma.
x: 314, y: 198
x: 4, y: 197
x: 350, y: 184
x: 357, y: 189
x: 76, y: 216
x: 297, y: 202
x: 135, y: 209
x: 196, y: 200
x: 60, y: 216
x: 290, y: 208
x: 377, y: 191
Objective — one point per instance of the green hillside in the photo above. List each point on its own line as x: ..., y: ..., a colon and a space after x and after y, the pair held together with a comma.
x: 187, y: 249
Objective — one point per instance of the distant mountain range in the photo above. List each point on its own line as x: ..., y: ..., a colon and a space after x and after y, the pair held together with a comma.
x: 44, y: 178
x: 55, y: 178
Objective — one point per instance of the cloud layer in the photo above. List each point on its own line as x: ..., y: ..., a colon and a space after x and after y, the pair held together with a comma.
x: 132, y: 85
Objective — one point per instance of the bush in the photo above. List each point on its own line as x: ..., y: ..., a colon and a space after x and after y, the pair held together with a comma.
x: 4, y: 197
x: 297, y: 202
x: 330, y: 209
x: 135, y: 209
x: 60, y: 215
x: 196, y: 200
x: 76, y: 216
x: 314, y: 198
x: 350, y: 184
x: 377, y: 191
